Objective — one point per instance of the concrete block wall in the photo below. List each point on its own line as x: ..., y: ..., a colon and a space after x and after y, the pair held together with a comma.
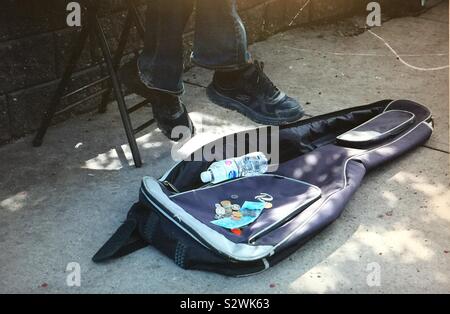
x: 35, y: 43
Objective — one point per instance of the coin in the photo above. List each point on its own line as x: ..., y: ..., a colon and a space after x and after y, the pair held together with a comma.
x: 236, y: 215
x: 225, y: 203
x: 228, y: 211
x: 220, y: 211
x: 268, y: 205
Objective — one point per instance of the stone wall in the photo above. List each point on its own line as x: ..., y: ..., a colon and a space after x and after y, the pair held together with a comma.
x: 35, y: 43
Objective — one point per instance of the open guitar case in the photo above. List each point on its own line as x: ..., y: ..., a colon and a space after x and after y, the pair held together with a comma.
x: 322, y: 161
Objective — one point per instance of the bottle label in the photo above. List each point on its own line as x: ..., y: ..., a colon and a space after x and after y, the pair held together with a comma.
x: 231, y: 169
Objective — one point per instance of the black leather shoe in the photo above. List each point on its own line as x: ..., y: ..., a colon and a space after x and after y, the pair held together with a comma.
x: 170, y: 112
x: 252, y: 93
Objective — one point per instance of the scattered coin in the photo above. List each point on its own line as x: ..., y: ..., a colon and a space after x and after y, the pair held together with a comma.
x: 268, y: 205
x: 220, y: 211
x: 225, y: 203
x: 237, y: 215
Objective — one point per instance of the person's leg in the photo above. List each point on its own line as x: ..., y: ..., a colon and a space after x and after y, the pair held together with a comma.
x: 239, y: 82
x: 161, y: 62
x: 160, y: 66
x: 220, y: 40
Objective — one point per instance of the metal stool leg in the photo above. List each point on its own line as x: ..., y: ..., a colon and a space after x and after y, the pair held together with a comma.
x: 132, y: 16
x: 117, y: 58
x: 100, y: 35
x: 92, y: 29
x: 53, y: 105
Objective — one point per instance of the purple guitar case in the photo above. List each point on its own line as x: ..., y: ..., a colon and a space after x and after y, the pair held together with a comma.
x: 322, y: 162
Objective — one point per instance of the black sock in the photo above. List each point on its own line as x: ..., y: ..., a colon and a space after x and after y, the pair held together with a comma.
x: 229, y: 78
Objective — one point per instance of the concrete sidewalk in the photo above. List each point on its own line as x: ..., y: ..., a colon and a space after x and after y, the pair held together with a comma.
x: 61, y: 202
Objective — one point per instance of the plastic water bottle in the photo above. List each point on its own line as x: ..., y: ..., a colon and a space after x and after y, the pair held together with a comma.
x: 248, y: 165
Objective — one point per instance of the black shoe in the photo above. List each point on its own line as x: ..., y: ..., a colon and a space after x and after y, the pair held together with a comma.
x: 253, y: 94
x: 169, y: 112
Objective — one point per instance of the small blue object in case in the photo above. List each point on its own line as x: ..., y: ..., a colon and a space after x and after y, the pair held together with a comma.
x: 250, y: 212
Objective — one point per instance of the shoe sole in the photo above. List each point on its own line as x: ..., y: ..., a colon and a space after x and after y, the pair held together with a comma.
x: 229, y: 103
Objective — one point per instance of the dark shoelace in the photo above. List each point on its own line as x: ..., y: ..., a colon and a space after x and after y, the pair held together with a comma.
x: 260, y: 82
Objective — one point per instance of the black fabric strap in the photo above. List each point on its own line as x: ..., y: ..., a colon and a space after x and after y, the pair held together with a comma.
x: 126, y: 239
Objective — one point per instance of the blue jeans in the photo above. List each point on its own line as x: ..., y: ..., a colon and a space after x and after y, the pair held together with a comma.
x: 220, y: 41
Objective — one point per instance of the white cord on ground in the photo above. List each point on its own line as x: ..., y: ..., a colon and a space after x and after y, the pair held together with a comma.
x: 298, y: 13
x: 364, y: 54
x: 403, y: 61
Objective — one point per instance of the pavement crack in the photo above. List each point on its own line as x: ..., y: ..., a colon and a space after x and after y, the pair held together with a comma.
x: 194, y: 84
x: 432, y: 20
x: 436, y: 149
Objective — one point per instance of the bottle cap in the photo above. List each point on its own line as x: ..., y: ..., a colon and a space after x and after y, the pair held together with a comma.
x: 206, y: 176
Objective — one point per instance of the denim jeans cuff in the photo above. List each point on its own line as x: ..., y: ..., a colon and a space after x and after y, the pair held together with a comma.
x: 162, y: 90
x: 220, y: 67
x: 152, y: 84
